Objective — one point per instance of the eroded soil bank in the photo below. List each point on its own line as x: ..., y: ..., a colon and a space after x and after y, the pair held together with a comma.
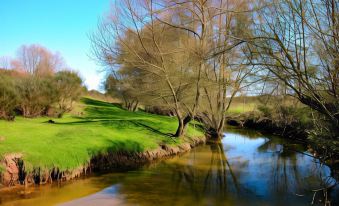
x: 14, y: 173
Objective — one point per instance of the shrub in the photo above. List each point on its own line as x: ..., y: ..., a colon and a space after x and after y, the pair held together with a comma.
x: 8, y: 97
x: 37, y: 94
x: 69, y: 89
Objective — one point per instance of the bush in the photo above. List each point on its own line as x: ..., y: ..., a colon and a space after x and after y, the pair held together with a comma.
x: 33, y: 95
x: 8, y: 97
x: 69, y: 89
x: 285, y: 114
x: 325, y: 137
x: 37, y: 95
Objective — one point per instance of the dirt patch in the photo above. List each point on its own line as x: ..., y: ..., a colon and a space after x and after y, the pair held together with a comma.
x: 11, y: 175
x: 2, y: 138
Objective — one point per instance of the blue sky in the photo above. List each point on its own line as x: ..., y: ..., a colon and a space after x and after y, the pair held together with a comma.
x: 59, y: 25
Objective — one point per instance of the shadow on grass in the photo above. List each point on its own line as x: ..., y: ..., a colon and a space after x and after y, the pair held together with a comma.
x: 98, y: 103
x: 94, y: 102
x: 150, y: 128
x: 114, y: 116
x: 97, y: 109
x: 89, y: 121
x: 117, y: 145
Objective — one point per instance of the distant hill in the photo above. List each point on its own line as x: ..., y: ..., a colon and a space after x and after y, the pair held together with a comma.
x: 95, y: 94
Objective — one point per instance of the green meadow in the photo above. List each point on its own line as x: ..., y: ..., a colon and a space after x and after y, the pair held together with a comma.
x: 96, y: 127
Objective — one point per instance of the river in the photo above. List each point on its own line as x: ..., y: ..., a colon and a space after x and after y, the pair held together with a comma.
x: 245, y: 168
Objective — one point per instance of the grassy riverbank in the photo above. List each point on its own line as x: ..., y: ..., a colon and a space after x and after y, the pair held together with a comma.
x: 94, y: 127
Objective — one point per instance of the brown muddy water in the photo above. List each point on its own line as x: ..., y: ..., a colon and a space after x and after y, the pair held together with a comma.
x: 246, y: 168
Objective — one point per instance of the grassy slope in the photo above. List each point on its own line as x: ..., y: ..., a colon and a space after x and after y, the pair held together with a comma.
x: 74, y: 139
x: 238, y: 108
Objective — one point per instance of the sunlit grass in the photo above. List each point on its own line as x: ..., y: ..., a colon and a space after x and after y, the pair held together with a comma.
x: 238, y: 108
x: 95, y: 127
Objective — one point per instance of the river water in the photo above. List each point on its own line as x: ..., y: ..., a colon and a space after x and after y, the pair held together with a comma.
x: 245, y: 168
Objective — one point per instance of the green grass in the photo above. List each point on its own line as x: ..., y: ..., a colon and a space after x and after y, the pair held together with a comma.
x: 72, y: 141
x: 238, y: 108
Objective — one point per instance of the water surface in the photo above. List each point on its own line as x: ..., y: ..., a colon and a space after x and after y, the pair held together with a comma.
x: 245, y: 168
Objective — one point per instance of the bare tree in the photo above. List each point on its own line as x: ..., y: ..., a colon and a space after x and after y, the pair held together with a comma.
x: 298, y: 42
x: 219, y: 29
x: 179, y: 54
x: 37, y: 60
x: 226, y: 73
x: 5, y: 62
x: 123, y: 87
x: 152, y: 54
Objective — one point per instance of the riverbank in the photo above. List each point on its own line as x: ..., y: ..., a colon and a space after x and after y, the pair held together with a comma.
x: 252, y: 120
x: 96, y: 136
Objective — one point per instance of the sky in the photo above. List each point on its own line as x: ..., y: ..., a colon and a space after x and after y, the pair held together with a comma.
x: 59, y: 25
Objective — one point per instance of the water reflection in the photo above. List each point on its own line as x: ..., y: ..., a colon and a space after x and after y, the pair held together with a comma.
x: 244, y: 169
x: 240, y: 170
x: 276, y: 172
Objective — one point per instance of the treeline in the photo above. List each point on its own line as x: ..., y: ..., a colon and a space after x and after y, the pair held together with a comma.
x: 193, y: 57
x: 37, y: 83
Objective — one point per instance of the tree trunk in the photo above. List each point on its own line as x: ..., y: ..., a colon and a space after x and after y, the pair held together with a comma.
x: 221, y: 127
x: 215, y: 134
x: 180, y: 129
x: 183, y: 122
x: 135, y: 107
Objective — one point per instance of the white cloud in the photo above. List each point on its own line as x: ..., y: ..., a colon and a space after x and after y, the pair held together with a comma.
x: 93, y: 81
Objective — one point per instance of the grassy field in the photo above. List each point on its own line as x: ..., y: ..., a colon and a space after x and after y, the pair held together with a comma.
x: 238, y: 108
x: 243, y: 104
x: 95, y: 127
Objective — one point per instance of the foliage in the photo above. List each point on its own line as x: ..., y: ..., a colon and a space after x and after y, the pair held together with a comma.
x: 283, y: 115
x: 32, y: 88
x: 119, y: 86
x: 36, y: 95
x: 324, y: 137
x: 68, y: 88
x: 8, y: 96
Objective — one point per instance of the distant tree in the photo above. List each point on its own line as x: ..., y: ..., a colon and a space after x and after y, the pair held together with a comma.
x: 5, y: 62
x: 69, y: 88
x: 37, y: 60
x: 119, y: 86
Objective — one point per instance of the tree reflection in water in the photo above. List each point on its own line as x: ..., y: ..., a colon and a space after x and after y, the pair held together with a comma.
x: 243, y: 169
x: 211, y: 176
x: 292, y: 172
